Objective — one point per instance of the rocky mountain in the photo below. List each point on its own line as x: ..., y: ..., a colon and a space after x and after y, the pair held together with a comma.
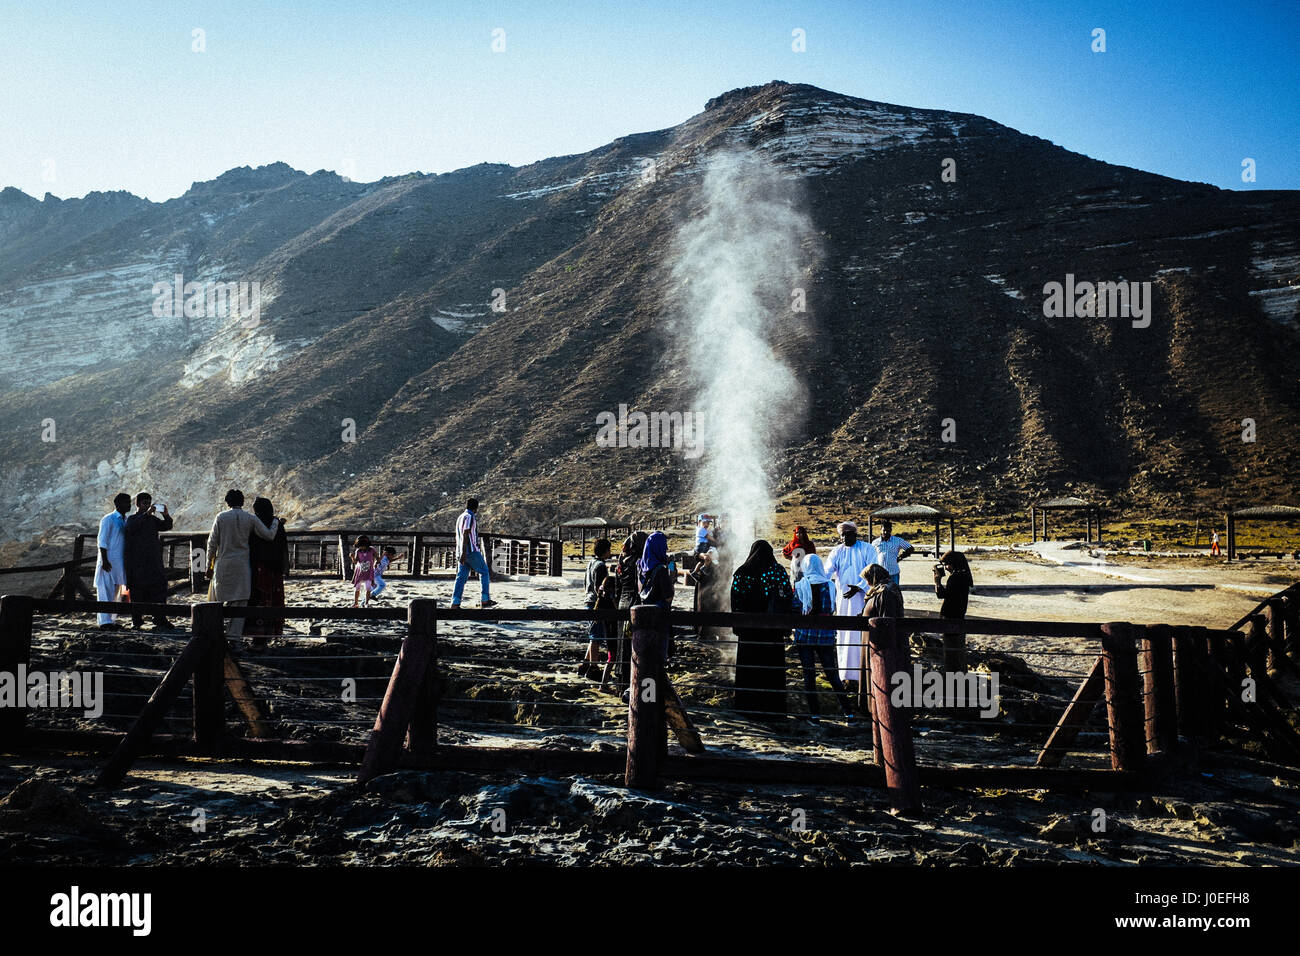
x: 467, y: 329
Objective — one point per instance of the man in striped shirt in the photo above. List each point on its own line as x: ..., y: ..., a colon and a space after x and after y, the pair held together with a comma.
x: 891, y: 549
x: 469, y: 555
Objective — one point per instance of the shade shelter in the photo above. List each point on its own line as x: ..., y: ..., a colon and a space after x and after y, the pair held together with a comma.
x: 596, y: 528
x: 1257, y: 513
x: 1091, y: 512
x: 897, y: 513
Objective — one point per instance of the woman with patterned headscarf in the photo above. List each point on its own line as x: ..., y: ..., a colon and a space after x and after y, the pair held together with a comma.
x: 760, y: 586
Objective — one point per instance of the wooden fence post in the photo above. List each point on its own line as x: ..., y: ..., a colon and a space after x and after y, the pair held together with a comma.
x: 1123, y: 697
x: 159, y: 703
x: 345, y: 559
x: 74, y: 570
x: 1189, y: 684
x: 1275, y: 617
x: 422, y: 625
x: 415, y: 557
x: 1074, y: 717
x: 198, y: 577
x: 242, y: 694
x: 1257, y: 644
x: 1291, y: 642
x: 15, y: 650
x: 647, y: 726
x: 1159, y: 700
x: 401, y: 698
x: 209, y: 677
x: 892, y: 724
x: 1216, y: 683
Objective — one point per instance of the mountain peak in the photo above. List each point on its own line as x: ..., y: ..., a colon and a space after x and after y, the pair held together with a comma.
x: 741, y: 93
x: 13, y: 196
x: 248, y: 177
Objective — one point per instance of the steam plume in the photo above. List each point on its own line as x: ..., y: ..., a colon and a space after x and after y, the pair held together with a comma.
x: 737, y: 262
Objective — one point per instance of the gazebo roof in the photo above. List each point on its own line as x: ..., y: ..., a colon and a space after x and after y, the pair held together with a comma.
x: 1062, y: 504
x: 1279, y: 512
x: 911, y: 511
x: 591, y: 523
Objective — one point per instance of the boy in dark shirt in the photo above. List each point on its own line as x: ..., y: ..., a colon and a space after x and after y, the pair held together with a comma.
x: 600, y: 595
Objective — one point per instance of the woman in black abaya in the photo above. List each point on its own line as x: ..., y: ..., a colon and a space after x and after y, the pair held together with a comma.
x: 761, y: 586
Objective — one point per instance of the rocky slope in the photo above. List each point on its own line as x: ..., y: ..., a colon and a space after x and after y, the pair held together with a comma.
x: 473, y: 325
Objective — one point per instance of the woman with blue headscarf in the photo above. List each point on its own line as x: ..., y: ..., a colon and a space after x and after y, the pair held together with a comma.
x: 817, y: 645
x: 653, y: 577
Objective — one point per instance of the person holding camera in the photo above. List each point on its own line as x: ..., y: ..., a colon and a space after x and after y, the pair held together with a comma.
x: 955, y: 596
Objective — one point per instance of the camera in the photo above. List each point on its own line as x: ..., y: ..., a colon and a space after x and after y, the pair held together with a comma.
x: 940, y: 568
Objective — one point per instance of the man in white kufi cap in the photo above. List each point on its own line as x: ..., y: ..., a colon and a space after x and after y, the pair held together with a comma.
x: 845, y: 565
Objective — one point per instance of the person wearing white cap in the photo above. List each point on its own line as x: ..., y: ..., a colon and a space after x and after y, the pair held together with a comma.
x: 704, y: 539
x: 845, y: 565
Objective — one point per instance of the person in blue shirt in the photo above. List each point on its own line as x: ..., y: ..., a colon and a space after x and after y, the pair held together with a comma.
x: 891, y: 549
x: 704, y: 536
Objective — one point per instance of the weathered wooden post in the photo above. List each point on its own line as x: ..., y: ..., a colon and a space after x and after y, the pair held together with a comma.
x: 1291, y: 609
x: 198, y: 570
x: 208, y: 623
x: 1189, y: 683
x: 1075, y: 716
x: 647, y: 725
x: 422, y: 625
x: 161, y: 701
x: 1123, y: 697
x: 1275, y: 617
x: 70, y: 583
x: 1158, y: 698
x: 1216, y: 711
x: 893, y: 725
x: 1257, y: 644
x: 15, y: 650
x: 413, y: 559
x: 401, y: 699
x: 345, y: 559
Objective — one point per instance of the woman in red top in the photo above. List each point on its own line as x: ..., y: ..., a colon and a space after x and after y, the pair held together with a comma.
x: 799, y: 540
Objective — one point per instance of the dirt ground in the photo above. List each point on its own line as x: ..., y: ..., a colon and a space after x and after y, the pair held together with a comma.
x: 516, y: 684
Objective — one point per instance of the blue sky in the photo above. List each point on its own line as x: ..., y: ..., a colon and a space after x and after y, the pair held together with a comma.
x: 111, y: 96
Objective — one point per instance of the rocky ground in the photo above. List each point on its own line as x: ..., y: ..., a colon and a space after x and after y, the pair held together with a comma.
x: 515, y: 684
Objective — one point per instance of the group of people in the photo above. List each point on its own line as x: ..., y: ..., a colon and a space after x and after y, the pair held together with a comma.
x: 247, y: 559
x: 369, y: 565
x: 129, y: 564
x: 857, y: 579
x: 644, y: 573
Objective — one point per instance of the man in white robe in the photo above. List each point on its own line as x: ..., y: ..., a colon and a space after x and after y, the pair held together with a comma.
x: 845, y: 565
x: 232, y: 573
x: 110, y: 565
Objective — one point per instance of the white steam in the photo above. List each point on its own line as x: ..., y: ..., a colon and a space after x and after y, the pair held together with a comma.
x: 737, y: 264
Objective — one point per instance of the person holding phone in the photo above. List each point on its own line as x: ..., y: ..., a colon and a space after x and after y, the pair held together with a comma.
x: 146, y: 578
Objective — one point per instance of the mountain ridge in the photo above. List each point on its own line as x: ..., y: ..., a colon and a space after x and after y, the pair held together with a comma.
x: 379, y: 307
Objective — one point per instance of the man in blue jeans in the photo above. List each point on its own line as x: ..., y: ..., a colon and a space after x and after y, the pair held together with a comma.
x: 469, y: 555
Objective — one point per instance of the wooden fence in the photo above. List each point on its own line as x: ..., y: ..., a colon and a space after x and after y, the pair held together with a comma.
x: 316, y: 553
x: 1167, y: 694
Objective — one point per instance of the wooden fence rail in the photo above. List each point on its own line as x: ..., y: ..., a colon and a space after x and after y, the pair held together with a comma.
x: 1165, y: 689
